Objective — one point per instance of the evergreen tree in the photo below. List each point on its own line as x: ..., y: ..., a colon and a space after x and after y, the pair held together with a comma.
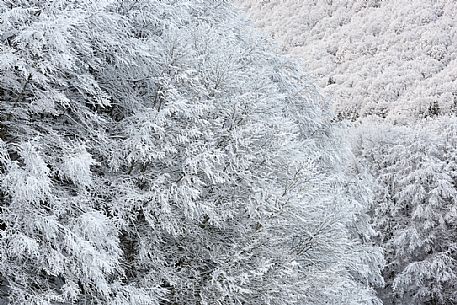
x: 416, y: 210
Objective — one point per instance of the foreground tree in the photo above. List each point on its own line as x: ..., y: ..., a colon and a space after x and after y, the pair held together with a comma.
x: 155, y: 152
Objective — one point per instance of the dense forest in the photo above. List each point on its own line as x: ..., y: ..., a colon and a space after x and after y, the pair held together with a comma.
x: 215, y: 152
x: 390, y: 68
x: 163, y: 152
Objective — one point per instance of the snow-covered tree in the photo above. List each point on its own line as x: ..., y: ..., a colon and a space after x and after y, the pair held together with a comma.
x: 389, y: 66
x: 416, y: 209
x: 161, y: 152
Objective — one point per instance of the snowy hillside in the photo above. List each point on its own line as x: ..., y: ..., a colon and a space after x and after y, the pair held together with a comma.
x: 394, y: 58
x: 390, y: 67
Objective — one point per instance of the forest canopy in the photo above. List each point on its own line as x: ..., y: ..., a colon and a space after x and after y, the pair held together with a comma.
x: 163, y: 152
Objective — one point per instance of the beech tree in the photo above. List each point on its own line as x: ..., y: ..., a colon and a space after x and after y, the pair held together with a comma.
x: 162, y: 152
